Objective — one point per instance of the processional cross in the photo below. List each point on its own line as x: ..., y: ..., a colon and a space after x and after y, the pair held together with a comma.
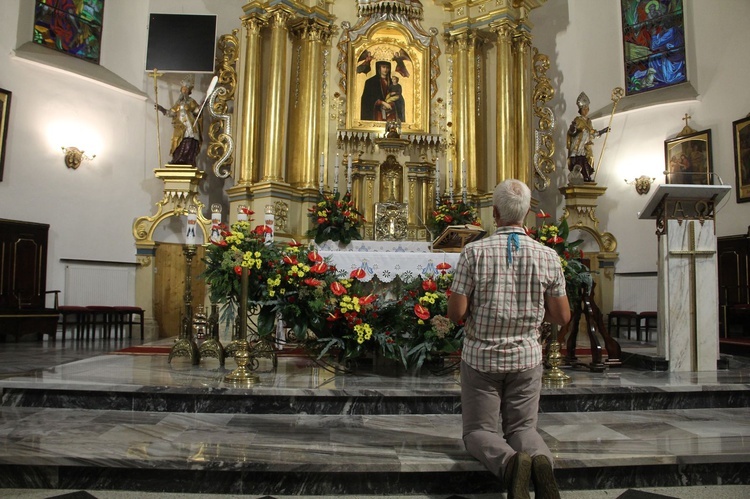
x: 692, y: 253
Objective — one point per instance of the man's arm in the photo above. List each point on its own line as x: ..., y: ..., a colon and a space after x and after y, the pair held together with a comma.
x: 556, y: 309
x: 458, y: 307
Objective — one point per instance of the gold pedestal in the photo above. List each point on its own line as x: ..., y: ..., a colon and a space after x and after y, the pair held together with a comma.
x: 554, y: 375
x: 243, y: 374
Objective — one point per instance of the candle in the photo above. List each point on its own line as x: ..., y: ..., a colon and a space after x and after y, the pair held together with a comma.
x: 437, y: 181
x: 215, y: 222
x: 322, y: 171
x: 336, y: 174
x: 450, y: 179
x: 349, y: 174
x: 463, y: 180
x: 192, y: 218
x: 242, y: 213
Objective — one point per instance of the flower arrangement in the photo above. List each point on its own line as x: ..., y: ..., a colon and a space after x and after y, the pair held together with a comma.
x: 556, y: 237
x: 428, y: 330
x: 239, y: 247
x: 452, y: 213
x: 329, y: 312
x: 335, y: 219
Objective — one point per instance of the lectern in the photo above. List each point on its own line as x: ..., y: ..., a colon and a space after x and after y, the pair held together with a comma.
x: 688, y: 294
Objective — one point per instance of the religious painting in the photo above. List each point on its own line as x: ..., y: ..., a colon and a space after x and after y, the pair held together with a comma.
x: 653, y: 34
x: 388, y: 81
x: 741, y: 129
x: 70, y: 26
x: 688, y: 159
x: 4, y: 115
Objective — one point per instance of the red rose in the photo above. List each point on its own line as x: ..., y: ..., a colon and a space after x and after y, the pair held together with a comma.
x: 338, y: 288
x: 238, y: 270
x: 421, y: 312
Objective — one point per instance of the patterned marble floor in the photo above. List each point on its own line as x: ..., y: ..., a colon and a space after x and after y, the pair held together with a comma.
x: 172, y: 426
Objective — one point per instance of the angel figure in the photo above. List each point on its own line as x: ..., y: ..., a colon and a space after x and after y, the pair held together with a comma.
x: 400, y: 56
x: 363, y: 63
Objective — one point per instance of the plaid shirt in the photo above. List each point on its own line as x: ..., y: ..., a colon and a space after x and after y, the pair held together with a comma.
x: 506, y: 301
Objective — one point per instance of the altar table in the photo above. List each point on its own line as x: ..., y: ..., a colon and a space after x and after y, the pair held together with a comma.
x: 387, y: 260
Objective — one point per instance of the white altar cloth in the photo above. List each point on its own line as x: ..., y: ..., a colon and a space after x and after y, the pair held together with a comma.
x: 386, y: 266
x: 377, y: 246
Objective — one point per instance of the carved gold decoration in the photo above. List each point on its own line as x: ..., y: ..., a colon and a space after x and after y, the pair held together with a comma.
x: 221, y: 141
x: 391, y: 181
x: 281, y: 215
x: 180, y: 191
x: 544, y: 144
x: 391, y: 221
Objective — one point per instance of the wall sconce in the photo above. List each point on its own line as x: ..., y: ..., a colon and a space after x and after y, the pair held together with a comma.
x: 642, y: 184
x: 74, y: 156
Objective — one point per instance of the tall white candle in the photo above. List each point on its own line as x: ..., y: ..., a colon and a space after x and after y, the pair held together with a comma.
x: 463, y: 180
x: 336, y: 174
x: 322, y: 171
x: 437, y: 181
x: 349, y: 174
x: 450, y: 179
x: 190, y: 235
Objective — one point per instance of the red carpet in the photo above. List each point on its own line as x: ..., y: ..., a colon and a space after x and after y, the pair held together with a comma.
x: 146, y: 350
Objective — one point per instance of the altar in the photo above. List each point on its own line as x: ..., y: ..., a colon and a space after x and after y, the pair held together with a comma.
x: 386, y: 260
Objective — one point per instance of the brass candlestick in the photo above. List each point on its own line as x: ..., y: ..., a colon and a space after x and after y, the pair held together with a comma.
x: 212, y: 347
x: 185, y: 346
x: 554, y: 375
x: 240, y: 346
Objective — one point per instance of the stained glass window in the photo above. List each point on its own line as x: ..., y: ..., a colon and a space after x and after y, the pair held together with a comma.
x: 654, y: 43
x: 70, y: 26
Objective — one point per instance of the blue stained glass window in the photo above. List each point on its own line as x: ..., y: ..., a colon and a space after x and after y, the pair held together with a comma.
x: 70, y: 26
x: 654, y: 44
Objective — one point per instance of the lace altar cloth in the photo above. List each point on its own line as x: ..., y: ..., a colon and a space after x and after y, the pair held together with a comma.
x: 386, y: 260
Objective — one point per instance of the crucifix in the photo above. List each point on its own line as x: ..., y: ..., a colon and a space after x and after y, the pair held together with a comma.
x: 692, y: 253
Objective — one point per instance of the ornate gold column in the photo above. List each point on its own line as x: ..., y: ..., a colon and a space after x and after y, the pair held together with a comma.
x: 304, y: 109
x: 505, y: 130
x: 273, y: 152
x: 363, y: 191
x: 524, y: 121
x: 249, y: 168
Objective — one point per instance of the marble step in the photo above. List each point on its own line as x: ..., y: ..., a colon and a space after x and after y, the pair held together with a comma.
x: 367, y: 454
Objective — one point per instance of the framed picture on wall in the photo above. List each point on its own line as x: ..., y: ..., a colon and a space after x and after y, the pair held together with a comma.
x: 388, y: 81
x: 4, y: 116
x: 688, y: 159
x: 741, y: 132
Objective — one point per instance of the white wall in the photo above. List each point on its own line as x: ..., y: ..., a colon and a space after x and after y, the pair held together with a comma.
x: 91, y: 210
x: 583, y: 40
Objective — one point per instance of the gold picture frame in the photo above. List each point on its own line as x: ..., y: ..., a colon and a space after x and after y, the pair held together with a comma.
x: 388, y: 44
x: 4, y: 117
x: 741, y: 133
x: 688, y: 159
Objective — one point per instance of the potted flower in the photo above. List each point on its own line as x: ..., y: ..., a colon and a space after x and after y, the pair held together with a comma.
x: 335, y: 219
x: 451, y: 213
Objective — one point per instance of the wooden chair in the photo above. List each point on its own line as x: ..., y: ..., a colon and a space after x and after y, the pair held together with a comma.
x: 623, y: 319
x: 647, y: 322
x: 128, y: 316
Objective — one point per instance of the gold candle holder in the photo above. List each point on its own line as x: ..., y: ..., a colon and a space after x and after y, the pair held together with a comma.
x: 554, y: 375
x: 185, y: 346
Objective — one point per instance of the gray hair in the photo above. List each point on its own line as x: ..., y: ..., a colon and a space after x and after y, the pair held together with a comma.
x: 512, y: 199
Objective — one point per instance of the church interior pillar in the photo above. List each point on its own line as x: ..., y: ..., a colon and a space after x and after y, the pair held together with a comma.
x: 273, y: 154
x: 524, y: 124
x: 304, y: 109
x: 248, y: 168
x: 505, y: 130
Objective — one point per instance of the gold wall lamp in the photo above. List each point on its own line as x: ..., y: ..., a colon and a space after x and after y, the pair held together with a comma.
x: 74, y: 156
x: 642, y: 184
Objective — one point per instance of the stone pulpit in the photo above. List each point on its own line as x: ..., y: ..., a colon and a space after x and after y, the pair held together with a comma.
x: 688, y: 300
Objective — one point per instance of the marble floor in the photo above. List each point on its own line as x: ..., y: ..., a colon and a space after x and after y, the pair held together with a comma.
x: 81, y: 417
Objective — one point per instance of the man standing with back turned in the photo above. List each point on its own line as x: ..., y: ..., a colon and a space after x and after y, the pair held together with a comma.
x: 504, y: 287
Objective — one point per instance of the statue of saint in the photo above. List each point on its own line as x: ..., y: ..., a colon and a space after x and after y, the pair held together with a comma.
x: 186, y: 138
x: 581, y: 135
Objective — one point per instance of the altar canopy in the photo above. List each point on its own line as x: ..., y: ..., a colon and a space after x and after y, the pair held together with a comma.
x: 688, y: 316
